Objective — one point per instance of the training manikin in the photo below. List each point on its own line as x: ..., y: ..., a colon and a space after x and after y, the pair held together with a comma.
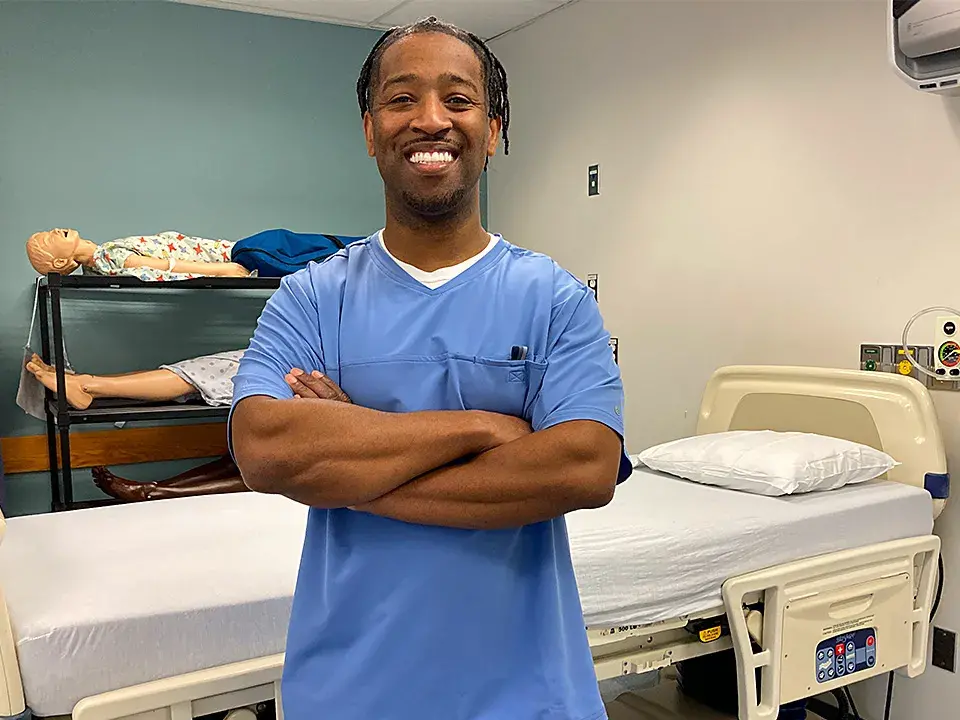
x: 208, y: 377
x: 166, y: 256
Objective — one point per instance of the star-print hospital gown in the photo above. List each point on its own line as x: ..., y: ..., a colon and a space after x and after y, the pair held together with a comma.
x: 110, y: 256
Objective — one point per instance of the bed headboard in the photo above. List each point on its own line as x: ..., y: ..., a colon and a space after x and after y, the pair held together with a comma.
x: 892, y: 413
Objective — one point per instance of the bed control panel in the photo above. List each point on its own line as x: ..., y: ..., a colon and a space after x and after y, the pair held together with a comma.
x: 846, y: 654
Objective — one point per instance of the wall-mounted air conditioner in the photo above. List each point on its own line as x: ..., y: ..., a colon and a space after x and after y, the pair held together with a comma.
x: 924, y: 43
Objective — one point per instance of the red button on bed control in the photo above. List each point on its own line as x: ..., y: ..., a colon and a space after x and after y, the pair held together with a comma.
x: 840, y: 649
x: 870, y: 641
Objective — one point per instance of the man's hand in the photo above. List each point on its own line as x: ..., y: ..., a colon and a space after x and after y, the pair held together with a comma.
x: 506, y: 429
x: 315, y: 386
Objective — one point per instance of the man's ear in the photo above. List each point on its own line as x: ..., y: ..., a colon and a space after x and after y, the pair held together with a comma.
x: 495, y: 126
x: 368, y: 132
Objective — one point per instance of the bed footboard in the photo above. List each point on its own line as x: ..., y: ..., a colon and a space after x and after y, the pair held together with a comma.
x: 831, y: 620
x: 192, y: 695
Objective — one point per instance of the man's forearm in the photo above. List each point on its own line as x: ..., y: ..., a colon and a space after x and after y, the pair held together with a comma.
x: 465, y: 514
x: 532, y: 479
x: 333, y: 454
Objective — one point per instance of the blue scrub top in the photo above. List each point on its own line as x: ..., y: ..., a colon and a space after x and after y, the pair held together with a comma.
x: 397, y: 621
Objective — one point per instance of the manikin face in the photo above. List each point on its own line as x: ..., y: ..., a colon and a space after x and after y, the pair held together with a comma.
x: 54, y: 250
x: 428, y: 127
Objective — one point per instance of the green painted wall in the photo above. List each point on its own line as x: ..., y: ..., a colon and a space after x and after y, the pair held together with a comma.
x: 121, y: 118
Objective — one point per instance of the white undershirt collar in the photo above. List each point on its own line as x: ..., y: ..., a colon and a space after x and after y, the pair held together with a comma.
x: 439, y: 276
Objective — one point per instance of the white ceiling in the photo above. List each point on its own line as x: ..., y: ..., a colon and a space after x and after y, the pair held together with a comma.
x: 486, y: 18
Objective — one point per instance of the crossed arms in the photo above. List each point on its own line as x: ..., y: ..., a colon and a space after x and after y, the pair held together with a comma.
x: 466, y: 469
x: 302, y: 437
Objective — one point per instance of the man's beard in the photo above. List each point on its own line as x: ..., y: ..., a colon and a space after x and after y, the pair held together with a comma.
x: 436, y: 205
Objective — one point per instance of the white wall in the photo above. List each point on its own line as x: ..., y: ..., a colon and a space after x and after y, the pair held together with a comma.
x: 771, y: 193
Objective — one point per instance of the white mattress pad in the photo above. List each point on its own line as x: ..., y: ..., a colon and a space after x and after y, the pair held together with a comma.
x: 663, y: 548
x: 115, y: 596
x: 209, y: 580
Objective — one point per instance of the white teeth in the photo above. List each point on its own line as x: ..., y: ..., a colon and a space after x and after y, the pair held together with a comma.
x: 434, y: 157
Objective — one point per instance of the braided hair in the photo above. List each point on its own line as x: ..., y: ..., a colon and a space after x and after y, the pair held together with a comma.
x: 495, y: 77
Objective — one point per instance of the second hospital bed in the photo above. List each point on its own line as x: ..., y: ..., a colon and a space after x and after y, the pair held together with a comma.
x: 176, y: 609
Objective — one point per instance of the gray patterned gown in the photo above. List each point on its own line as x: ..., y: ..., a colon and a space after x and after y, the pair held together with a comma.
x: 211, y: 375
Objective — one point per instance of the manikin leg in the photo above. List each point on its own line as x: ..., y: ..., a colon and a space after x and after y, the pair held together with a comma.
x: 82, y: 390
x: 219, y: 476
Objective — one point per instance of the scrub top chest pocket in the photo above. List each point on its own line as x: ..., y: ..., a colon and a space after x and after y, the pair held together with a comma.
x: 451, y: 381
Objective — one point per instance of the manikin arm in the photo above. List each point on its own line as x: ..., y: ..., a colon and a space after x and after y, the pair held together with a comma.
x: 215, y: 269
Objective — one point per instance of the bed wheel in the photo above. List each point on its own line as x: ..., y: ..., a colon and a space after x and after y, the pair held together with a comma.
x: 241, y: 714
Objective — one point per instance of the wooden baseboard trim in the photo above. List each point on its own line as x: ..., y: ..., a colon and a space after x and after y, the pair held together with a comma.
x: 28, y: 453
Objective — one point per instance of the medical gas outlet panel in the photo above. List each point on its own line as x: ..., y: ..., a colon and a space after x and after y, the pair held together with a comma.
x: 892, y: 359
x: 946, y: 356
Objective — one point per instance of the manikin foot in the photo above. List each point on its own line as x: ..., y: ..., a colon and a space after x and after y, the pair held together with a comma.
x: 120, y: 488
x: 77, y: 396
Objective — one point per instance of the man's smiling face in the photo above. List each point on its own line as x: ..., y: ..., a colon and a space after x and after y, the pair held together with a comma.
x: 429, y: 126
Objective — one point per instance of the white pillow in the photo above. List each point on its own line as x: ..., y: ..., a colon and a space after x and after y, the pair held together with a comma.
x: 765, y: 462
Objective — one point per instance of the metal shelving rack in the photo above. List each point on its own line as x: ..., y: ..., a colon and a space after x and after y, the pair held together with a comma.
x: 60, y: 417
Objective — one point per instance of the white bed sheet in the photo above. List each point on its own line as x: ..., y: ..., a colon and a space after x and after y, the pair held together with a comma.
x: 664, y: 546
x: 234, y: 559
x: 661, y: 549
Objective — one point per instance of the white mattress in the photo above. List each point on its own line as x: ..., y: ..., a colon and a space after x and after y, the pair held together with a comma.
x: 664, y: 546
x: 205, y: 581
x: 209, y: 580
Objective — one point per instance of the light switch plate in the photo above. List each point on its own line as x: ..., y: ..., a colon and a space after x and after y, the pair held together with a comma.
x: 594, y: 178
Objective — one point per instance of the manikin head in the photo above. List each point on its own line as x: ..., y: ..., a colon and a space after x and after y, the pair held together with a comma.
x: 59, y: 250
x: 434, y: 102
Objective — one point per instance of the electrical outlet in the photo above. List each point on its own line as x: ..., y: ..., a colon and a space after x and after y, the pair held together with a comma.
x: 945, y: 649
x: 593, y: 282
x: 593, y: 175
x: 615, y: 346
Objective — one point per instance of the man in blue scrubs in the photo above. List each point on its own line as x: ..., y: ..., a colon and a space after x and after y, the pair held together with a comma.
x: 484, y: 404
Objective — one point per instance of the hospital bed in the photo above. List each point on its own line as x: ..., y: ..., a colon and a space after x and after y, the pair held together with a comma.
x: 177, y: 609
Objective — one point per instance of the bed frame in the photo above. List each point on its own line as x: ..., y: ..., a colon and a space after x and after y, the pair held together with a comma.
x: 776, y: 619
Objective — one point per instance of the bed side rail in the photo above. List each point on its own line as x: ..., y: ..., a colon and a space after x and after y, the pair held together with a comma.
x: 642, y: 649
x: 832, y: 620
x: 192, y: 695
